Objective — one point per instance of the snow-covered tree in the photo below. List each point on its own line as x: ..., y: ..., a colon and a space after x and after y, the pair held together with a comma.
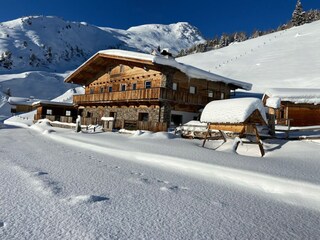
x: 5, y: 60
x: 298, y: 15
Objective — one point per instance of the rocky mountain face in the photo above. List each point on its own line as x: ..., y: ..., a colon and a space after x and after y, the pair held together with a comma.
x: 53, y: 44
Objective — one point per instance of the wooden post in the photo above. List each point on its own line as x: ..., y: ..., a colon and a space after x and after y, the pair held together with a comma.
x: 207, y: 133
x: 258, y: 140
x: 222, y: 134
x: 287, y: 132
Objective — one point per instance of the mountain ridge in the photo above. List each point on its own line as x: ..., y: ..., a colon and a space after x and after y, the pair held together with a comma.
x: 49, y: 43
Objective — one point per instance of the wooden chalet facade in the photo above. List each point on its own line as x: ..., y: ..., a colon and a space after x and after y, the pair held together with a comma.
x: 298, y: 107
x: 142, y: 91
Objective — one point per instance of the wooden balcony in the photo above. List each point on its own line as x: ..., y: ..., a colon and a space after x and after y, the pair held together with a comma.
x: 140, y: 95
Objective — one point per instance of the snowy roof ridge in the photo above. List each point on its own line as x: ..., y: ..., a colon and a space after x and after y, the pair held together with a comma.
x: 33, y: 101
x: 295, y: 95
x: 189, y: 70
x: 236, y: 110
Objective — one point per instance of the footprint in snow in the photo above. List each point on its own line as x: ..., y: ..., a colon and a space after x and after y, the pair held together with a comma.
x: 162, y: 181
x: 137, y: 173
x: 173, y: 189
x: 39, y: 173
x: 85, y: 199
x: 145, y: 180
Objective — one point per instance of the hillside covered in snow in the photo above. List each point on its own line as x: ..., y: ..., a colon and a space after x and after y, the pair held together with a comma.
x: 51, y: 43
x: 288, y: 58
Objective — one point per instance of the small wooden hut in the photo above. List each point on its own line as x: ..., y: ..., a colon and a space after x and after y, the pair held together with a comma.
x: 240, y: 115
x: 55, y: 111
x: 298, y: 106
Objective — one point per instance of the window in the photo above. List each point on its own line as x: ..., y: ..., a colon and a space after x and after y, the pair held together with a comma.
x: 121, y: 68
x: 222, y: 95
x: 91, y: 90
x: 110, y: 89
x: 134, y: 86
x: 175, y: 86
x: 123, y: 87
x: 68, y: 113
x: 113, y: 114
x: 148, y: 84
x: 101, y: 90
x: 192, y: 90
x: 49, y: 111
x: 210, y: 93
x: 143, y: 117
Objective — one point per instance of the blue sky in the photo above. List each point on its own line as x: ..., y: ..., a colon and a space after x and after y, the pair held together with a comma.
x: 211, y: 17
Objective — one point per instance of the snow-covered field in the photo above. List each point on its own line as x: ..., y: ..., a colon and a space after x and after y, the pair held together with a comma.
x: 288, y: 58
x: 58, y: 184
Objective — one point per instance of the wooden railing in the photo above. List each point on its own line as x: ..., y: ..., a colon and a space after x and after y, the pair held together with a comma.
x: 143, y: 95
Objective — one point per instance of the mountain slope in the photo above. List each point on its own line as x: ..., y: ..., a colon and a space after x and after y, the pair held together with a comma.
x: 288, y: 58
x: 50, y: 43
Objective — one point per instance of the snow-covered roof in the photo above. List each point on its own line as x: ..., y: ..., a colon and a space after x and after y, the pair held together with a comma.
x: 273, y: 102
x: 22, y: 101
x: 295, y: 95
x: 235, y: 110
x: 34, y: 102
x: 48, y: 102
x: 190, y: 71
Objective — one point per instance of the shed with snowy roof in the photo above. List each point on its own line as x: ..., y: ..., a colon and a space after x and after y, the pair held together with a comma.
x: 145, y: 91
x: 239, y: 115
x: 294, y: 106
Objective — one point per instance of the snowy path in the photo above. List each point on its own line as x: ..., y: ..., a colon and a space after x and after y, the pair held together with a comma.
x: 53, y: 190
x: 294, y: 192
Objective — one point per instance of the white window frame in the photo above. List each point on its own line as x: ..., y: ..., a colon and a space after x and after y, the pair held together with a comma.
x: 49, y: 111
x: 68, y: 113
x: 192, y: 89
x: 174, y: 86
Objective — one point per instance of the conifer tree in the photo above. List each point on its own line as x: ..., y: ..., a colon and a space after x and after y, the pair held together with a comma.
x: 298, y: 15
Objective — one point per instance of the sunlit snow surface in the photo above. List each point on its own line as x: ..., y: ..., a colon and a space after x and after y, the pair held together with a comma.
x: 58, y: 184
x: 285, y: 59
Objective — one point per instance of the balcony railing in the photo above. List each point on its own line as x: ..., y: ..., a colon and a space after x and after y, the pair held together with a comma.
x: 151, y: 94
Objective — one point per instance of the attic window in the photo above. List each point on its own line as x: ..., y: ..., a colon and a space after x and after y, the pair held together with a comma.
x: 121, y: 68
x: 210, y: 93
x: 134, y: 86
x: 68, y: 113
x: 49, y: 111
x: 123, y: 87
x: 222, y: 95
x: 110, y: 89
x: 91, y: 90
x: 101, y: 90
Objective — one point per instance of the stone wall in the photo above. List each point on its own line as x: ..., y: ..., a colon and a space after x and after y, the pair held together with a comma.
x: 121, y: 113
